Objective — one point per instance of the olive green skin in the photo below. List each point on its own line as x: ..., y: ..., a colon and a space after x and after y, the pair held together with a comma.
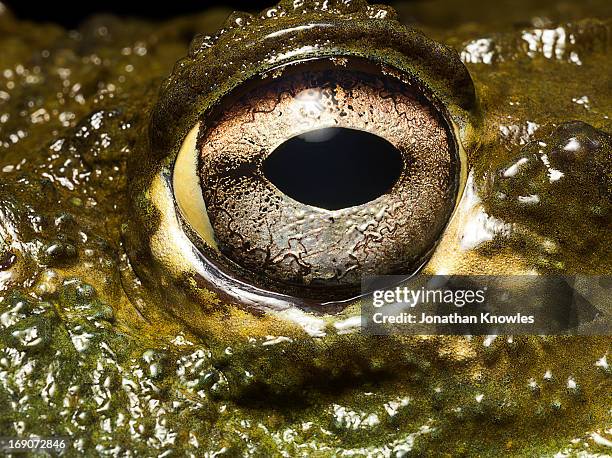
x: 95, y: 347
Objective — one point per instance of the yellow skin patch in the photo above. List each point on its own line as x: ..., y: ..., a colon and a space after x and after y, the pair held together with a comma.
x: 186, y: 185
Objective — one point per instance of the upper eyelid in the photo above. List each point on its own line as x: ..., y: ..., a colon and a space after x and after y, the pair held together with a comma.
x: 200, y: 80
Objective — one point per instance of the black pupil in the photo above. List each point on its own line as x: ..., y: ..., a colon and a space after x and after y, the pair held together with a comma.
x: 334, y: 167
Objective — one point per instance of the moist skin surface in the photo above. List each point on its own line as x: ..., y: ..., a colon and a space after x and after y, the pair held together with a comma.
x: 102, y: 342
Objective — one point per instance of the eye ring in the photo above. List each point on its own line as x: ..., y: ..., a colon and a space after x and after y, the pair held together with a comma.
x: 429, y: 173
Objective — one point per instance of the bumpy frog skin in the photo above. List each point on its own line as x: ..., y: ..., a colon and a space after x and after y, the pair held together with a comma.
x: 112, y: 331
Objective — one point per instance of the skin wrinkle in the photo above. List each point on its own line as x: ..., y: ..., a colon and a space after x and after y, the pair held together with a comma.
x: 236, y: 192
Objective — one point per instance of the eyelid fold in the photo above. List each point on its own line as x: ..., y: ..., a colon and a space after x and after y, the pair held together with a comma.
x: 217, y: 65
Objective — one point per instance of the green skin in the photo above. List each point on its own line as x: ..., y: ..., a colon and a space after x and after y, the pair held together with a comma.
x: 92, y: 348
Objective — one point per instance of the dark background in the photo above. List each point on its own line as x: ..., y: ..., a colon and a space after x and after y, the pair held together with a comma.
x: 72, y: 13
x: 497, y: 15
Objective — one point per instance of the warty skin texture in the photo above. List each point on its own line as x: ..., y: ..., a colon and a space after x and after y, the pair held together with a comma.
x: 103, y: 339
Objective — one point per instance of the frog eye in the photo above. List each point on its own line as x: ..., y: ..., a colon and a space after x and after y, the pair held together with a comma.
x: 317, y: 173
x: 293, y: 153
